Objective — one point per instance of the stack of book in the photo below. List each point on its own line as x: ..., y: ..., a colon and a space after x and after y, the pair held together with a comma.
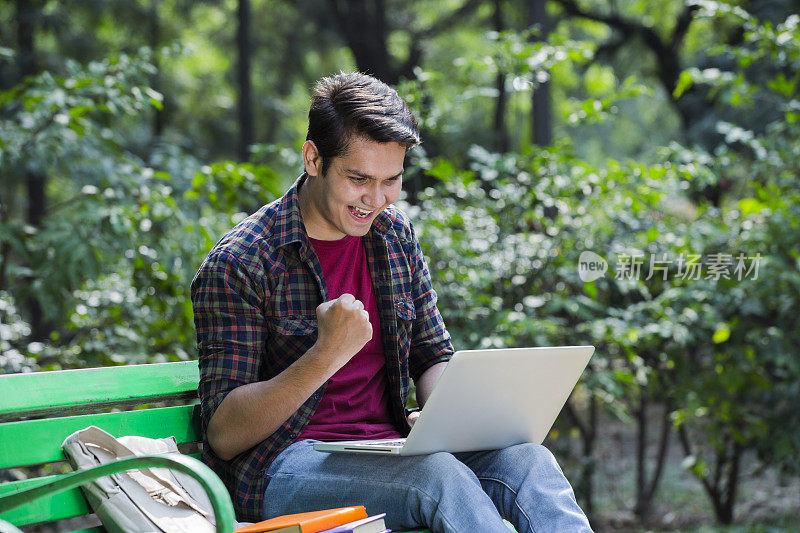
x: 341, y: 520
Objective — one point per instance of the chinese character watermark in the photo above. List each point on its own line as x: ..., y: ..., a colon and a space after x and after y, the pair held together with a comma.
x: 686, y: 266
x: 629, y: 266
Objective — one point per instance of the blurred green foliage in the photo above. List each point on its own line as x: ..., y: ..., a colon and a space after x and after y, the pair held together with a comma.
x: 111, y: 264
x: 130, y: 217
x: 506, y: 233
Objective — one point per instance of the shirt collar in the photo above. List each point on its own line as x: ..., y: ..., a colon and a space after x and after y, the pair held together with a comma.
x: 382, y: 226
x: 289, y: 227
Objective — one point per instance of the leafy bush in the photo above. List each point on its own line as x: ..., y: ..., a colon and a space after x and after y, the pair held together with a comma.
x: 112, y: 261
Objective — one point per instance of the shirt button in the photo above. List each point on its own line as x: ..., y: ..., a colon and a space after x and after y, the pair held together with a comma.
x: 293, y: 436
x: 316, y: 396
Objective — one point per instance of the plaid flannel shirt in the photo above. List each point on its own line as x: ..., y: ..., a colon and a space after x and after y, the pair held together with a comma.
x: 255, y: 299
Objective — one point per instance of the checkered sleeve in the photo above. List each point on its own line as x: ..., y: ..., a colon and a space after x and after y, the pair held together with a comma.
x: 430, y: 343
x: 231, y: 331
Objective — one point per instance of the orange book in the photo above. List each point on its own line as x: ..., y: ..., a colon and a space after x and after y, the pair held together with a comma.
x: 307, y: 522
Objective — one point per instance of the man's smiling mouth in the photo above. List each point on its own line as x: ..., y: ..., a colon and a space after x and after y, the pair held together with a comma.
x: 360, y: 213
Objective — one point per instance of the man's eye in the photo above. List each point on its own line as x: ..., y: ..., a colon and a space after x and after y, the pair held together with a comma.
x: 358, y: 180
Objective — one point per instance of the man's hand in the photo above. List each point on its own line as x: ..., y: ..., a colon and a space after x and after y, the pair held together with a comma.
x: 250, y: 413
x: 412, y: 418
x: 344, y: 329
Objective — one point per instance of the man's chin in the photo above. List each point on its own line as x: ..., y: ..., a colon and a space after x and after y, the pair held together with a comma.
x: 359, y: 232
x: 358, y: 228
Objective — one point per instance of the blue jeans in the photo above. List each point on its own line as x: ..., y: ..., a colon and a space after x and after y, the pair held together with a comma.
x: 467, y: 492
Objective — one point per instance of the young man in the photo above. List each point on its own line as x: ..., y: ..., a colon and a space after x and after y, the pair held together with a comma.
x: 313, y: 314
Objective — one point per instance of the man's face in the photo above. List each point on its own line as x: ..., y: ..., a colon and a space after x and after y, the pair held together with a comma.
x: 359, y: 185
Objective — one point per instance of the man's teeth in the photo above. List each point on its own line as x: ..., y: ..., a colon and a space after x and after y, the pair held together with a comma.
x: 361, y: 212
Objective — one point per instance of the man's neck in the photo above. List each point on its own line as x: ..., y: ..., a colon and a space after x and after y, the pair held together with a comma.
x: 309, y: 215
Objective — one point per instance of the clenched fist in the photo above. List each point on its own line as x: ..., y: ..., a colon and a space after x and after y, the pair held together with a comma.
x: 344, y: 329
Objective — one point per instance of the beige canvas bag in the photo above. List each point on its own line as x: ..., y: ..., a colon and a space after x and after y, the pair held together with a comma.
x: 143, y: 500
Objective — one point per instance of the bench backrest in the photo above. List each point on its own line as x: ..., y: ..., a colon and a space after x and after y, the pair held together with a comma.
x: 39, y: 410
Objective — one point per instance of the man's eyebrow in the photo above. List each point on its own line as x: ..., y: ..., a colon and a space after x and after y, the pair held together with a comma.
x: 368, y: 176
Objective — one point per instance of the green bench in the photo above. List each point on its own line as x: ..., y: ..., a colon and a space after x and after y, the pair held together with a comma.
x: 39, y: 410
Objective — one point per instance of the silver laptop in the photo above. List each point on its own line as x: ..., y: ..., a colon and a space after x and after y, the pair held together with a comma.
x: 487, y: 400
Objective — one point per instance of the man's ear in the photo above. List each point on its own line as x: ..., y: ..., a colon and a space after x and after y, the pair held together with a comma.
x: 312, y: 160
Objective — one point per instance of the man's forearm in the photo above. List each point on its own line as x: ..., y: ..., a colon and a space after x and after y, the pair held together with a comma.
x: 427, y: 381
x: 251, y: 413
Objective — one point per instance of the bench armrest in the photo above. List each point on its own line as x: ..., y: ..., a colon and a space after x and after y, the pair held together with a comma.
x: 5, y: 527
x: 217, y: 493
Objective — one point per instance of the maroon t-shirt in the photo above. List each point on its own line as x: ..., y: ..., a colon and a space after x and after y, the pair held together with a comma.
x: 356, y: 401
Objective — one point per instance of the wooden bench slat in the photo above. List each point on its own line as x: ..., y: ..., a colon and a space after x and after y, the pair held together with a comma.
x: 32, y: 442
x: 67, y: 504
x: 55, y: 392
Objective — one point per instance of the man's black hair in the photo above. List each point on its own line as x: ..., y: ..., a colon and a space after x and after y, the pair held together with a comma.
x: 349, y: 104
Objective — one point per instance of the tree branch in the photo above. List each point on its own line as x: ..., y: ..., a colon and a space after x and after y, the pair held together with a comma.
x: 663, y: 445
x: 627, y: 27
x: 719, y: 465
x: 682, y: 25
x: 446, y: 22
x: 683, y: 437
x: 365, y: 30
x: 665, y: 51
x: 608, y: 48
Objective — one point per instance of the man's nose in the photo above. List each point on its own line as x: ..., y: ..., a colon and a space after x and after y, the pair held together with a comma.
x: 373, y: 197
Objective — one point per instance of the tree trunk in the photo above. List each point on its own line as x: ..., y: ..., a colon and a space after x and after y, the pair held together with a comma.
x: 646, y: 489
x: 727, y: 466
x: 663, y: 447
x: 26, y: 13
x: 363, y: 25
x: 541, y: 104
x: 724, y: 505
x: 155, y: 80
x: 245, y: 102
x: 642, y: 506
x: 35, y: 182
x: 588, y: 434
x: 587, y: 474
x: 364, y: 28
x: 501, y: 137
